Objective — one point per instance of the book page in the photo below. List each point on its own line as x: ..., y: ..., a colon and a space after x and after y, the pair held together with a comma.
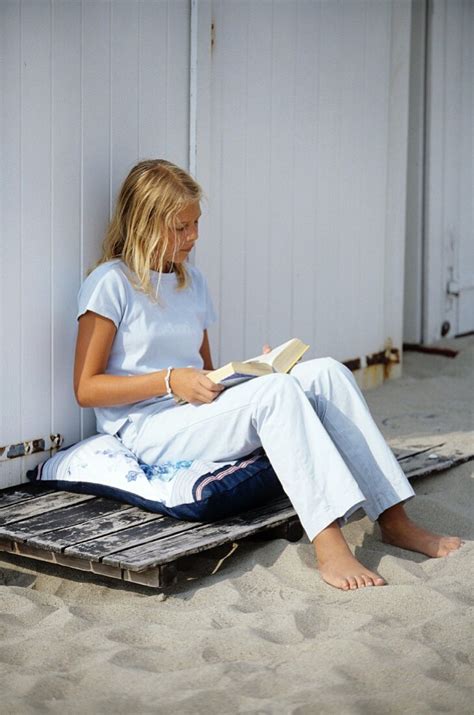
x: 283, y: 357
x: 268, y: 358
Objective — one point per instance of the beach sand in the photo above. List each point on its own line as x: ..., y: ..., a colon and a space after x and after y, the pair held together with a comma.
x: 263, y: 634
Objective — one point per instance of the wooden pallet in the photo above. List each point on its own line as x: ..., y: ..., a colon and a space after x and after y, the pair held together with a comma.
x: 117, y: 540
x: 114, y: 539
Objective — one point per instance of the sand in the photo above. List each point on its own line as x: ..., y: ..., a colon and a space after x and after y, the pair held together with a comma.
x: 263, y: 634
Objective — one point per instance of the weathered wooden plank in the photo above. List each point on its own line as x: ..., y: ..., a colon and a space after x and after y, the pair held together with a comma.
x: 98, y: 548
x: 155, y: 577
x: 94, y: 529
x: 291, y: 530
x: 14, y: 495
x: 402, y: 454
x: 61, y: 519
x: 423, y: 465
x: 40, y: 505
x: 203, y: 536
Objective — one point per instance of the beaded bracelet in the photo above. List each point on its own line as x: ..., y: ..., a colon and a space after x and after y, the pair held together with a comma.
x: 169, y: 391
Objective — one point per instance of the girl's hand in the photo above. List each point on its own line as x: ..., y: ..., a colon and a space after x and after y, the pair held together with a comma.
x: 266, y: 349
x: 192, y: 385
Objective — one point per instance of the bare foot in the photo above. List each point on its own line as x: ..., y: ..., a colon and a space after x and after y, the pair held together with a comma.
x: 397, y: 529
x: 337, y: 565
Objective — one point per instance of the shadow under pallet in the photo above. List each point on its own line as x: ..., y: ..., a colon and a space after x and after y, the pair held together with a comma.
x: 116, y: 540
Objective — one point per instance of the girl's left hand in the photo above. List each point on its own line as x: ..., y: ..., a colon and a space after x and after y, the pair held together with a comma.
x: 266, y: 349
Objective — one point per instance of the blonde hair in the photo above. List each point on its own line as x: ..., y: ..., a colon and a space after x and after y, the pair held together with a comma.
x: 152, y: 195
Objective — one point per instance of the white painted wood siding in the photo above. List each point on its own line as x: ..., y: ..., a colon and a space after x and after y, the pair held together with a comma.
x: 449, y: 239
x: 301, y: 148
x: 302, y: 134
x: 413, y: 300
x: 88, y: 88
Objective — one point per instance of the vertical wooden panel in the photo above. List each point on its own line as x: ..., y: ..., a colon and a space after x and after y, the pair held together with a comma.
x: 466, y: 209
x: 306, y: 205
x: 433, y: 291
x: 176, y: 70
x: 163, y: 80
x: 124, y: 88
x: 281, y: 177
x: 257, y: 237
x: 152, y: 114
x: 66, y: 226
x: 207, y: 252
x: 96, y: 94
x: 232, y: 168
x: 451, y: 140
x: 396, y: 161
x: 35, y: 358
x: 377, y: 92
x: 412, y: 308
x: 10, y: 244
x: 327, y: 288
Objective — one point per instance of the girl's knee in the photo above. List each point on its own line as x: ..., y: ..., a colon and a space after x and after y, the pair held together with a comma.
x: 325, y: 365
x: 278, y: 383
x: 334, y: 367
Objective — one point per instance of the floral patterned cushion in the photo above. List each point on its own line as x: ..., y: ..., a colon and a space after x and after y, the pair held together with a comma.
x: 200, y: 490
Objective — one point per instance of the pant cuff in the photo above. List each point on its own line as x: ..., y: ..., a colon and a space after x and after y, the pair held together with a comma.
x: 382, y: 502
x: 323, y: 518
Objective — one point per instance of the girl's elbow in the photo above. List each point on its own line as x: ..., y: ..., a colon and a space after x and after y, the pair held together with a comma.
x: 83, y: 397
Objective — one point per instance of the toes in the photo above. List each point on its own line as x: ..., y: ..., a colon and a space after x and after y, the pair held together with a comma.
x: 450, y: 546
x: 373, y: 580
x: 352, y: 582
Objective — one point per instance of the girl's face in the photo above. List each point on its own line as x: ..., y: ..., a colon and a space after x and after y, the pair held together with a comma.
x: 183, y: 238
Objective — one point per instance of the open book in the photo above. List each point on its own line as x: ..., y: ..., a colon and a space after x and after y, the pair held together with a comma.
x: 280, y: 359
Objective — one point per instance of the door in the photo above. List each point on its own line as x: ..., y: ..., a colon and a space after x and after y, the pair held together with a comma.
x: 449, y: 227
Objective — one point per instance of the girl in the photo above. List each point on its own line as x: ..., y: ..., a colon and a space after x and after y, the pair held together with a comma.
x: 142, y: 345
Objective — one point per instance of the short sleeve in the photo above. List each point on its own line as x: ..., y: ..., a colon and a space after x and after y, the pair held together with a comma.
x: 210, y: 315
x: 103, y: 292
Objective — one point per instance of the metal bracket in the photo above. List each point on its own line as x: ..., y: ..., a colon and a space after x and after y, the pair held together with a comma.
x: 31, y: 446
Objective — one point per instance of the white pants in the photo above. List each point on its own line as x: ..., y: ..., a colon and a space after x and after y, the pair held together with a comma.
x: 314, y: 426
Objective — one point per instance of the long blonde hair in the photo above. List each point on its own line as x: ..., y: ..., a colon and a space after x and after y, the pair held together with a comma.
x: 152, y: 195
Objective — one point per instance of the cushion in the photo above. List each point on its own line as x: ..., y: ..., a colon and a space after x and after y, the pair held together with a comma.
x: 193, y: 490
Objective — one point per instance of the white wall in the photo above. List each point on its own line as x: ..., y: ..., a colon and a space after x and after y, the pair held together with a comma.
x: 413, y: 298
x: 302, y: 135
x: 449, y: 225
x: 301, y: 129
x: 88, y: 88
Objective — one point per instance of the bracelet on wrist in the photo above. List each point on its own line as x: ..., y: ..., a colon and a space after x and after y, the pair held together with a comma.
x: 169, y: 391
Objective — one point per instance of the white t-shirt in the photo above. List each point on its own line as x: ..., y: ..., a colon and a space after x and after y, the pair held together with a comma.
x: 150, y: 336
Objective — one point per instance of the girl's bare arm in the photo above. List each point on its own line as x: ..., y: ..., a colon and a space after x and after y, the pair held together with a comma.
x: 94, y: 388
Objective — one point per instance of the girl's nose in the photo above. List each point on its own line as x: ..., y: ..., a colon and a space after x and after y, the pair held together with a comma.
x: 192, y: 233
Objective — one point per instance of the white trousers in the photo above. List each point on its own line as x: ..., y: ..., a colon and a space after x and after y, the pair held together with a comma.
x: 314, y: 426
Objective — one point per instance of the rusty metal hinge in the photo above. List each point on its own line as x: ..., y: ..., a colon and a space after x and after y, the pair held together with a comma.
x: 31, y: 446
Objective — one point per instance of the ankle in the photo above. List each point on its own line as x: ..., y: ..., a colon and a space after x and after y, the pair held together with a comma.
x: 393, y: 517
x: 330, y: 542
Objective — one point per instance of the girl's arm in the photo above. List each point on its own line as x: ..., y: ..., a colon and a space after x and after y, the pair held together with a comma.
x: 94, y: 388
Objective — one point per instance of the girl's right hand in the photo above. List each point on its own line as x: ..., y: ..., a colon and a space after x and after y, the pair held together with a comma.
x: 192, y: 385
